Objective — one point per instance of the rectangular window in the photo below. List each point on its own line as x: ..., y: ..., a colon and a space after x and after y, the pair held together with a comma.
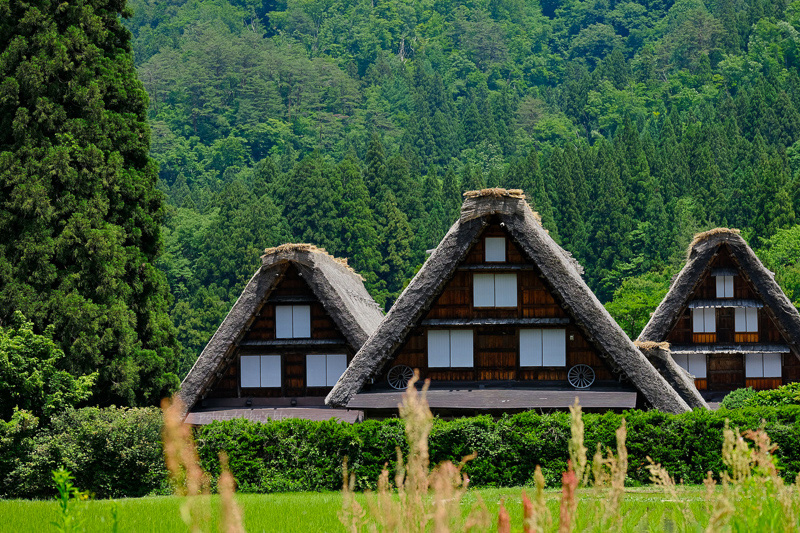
x: 260, y: 370
x: 494, y: 290
x: 543, y: 347
x: 495, y: 249
x: 694, y: 363
x: 767, y: 365
x: 746, y: 320
x: 704, y: 320
x: 724, y: 286
x: 324, y: 370
x: 450, y: 348
x: 292, y: 321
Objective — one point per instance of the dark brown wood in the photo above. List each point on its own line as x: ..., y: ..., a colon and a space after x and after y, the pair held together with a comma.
x: 725, y: 371
x: 260, y: 339
x: 728, y: 369
x: 496, y: 342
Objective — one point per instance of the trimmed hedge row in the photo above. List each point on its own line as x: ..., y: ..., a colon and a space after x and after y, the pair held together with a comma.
x: 117, y: 452
x: 302, y: 455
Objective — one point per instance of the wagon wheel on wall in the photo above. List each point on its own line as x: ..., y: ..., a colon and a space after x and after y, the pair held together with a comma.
x: 399, y: 376
x: 581, y: 376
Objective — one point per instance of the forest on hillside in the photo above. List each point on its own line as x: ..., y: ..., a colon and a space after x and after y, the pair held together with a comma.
x: 357, y: 124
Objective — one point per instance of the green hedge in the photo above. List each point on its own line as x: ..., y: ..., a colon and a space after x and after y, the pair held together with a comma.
x: 788, y: 394
x: 303, y: 455
x: 117, y: 452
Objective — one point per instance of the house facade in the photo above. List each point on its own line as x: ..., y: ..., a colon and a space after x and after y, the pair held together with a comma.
x: 726, y: 319
x: 285, y: 343
x: 500, y: 320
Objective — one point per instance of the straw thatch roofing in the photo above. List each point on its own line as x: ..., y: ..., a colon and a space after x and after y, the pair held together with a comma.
x: 336, y: 285
x: 659, y: 355
x: 558, y: 268
x: 701, y: 252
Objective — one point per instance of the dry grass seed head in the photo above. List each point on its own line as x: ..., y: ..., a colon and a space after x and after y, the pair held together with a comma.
x: 231, y: 513
x: 577, y: 450
x: 180, y: 455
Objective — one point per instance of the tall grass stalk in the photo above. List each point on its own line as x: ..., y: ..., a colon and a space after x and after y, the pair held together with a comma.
x: 190, y: 481
x: 422, y: 498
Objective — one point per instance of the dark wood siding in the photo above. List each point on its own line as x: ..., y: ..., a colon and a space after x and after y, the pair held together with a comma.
x: 728, y: 369
x: 496, y: 348
x: 291, y: 289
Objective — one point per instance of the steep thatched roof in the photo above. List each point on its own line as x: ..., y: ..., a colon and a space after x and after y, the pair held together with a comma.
x: 336, y: 285
x: 702, y: 251
x: 558, y: 268
x: 659, y: 355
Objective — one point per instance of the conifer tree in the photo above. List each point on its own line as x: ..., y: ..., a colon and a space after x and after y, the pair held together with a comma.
x: 80, y: 213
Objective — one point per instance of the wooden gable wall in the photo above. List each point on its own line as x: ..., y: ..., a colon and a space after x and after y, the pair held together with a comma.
x: 726, y: 370
x: 496, y: 354
x: 260, y: 339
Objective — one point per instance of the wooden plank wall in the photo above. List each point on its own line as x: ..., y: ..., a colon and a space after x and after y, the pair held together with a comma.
x: 496, y: 355
x: 293, y: 359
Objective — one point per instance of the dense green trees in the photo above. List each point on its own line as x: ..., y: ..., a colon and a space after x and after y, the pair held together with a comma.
x: 357, y: 126
x: 80, y: 213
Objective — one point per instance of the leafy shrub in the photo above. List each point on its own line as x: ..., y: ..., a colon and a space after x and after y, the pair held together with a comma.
x: 113, y: 452
x: 739, y: 398
x: 788, y: 394
x: 117, y: 452
x: 29, y: 374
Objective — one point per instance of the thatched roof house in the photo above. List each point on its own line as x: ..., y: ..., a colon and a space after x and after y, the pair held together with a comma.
x: 726, y: 319
x: 500, y: 319
x: 288, y: 337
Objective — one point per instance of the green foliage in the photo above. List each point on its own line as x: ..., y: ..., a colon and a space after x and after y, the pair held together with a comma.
x: 788, y: 394
x: 67, y: 495
x: 636, y: 299
x: 112, y: 452
x: 301, y: 455
x: 80, y: 214
x: 29, y: 376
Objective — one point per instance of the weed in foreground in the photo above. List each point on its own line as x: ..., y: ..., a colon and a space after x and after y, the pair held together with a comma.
x: 190, y: 481
x: 750, y: 496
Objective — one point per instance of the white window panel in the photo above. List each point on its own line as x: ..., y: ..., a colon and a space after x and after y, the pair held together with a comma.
x: 461, y: 352
x: 283, y: 321
x: 483, y: 290
x: 251, y: 370
x: 740, y: 320
x: 772, y: 365
x: 554, y: 347
x: 316, y: 373
x: 495, y: 249
x: 724, y: 286
x: 270, y: 370
x: 336, y: 365
x: 696, y: 365
x: 438, y: 348
x: 682, y: 360
x: 710, y: 319
x: 301, y: 321
x: 698, y: 325
x: 752, y: 319
x: 505, y: 290
x: 753, y: 365
x: 746, y: 320
x: 530, y: 347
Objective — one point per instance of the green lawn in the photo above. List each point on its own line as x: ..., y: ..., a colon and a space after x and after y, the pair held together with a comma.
x: 644, y: 509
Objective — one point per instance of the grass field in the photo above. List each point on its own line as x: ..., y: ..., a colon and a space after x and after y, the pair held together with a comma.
x: 644, y: 509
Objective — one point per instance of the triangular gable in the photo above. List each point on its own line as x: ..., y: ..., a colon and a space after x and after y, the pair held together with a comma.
x: 702, y: 251
x: 339, y: 289
x: 560, y: 270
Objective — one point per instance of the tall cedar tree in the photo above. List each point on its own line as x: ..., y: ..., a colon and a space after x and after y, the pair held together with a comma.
x: 80, y: 214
